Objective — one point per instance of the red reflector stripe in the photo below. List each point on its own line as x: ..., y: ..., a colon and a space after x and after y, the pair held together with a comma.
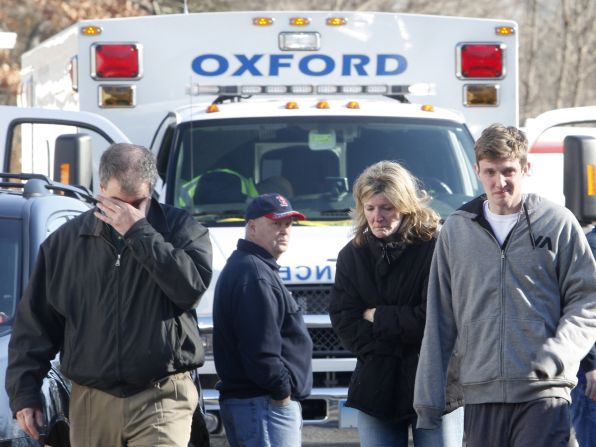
x: 547, y: 148
x: 116, y: 61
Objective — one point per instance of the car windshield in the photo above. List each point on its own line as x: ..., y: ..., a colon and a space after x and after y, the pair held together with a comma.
x: 314, y: 162
x: 9, y: 268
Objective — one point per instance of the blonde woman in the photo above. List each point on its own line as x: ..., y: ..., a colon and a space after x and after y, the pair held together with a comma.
x: 378, y: 306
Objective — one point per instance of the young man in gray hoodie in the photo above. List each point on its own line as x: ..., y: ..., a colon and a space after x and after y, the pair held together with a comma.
x: 512, y: 292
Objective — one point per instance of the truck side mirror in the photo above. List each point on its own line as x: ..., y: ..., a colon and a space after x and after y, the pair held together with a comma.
x: 72, y: 160
x: 580, y: 177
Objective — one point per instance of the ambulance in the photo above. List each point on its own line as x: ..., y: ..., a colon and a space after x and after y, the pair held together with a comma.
x: 236, y: 104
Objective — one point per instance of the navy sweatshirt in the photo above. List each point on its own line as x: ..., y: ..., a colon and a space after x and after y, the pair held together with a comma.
x: 260, y: 342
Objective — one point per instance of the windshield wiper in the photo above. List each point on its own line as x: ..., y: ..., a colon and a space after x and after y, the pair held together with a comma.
x: 215, y: 216
x: 345, y: 212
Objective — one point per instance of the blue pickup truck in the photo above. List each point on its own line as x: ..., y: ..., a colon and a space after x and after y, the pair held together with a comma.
x: 31, y: 208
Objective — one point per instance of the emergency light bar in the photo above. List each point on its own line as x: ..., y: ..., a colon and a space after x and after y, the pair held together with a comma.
x: 244, y: 90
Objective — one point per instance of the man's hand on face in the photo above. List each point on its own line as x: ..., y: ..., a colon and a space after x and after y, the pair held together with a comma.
x: 121, y: 215
x: 30, y: 420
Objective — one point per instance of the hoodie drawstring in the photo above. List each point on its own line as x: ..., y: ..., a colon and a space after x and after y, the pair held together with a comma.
x: 529, y: 226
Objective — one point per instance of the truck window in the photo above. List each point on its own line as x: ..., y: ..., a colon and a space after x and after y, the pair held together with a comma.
x: 221, y: 164
x: 31, y: 145
x: 9, y: 268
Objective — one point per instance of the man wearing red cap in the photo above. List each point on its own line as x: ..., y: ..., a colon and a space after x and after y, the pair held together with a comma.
x: 261, y: 346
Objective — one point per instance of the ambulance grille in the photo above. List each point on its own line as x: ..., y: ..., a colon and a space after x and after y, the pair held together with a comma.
x: 314, y: 300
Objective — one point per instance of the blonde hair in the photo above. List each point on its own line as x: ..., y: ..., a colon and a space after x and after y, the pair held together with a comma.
x: 401, y: 189
x: 498, y: 142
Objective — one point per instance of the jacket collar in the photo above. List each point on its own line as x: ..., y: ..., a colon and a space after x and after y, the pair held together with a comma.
x: 257, y: 250
x: 92, y: 226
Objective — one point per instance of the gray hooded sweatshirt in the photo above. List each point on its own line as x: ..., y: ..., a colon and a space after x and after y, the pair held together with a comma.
x: 508, y: 310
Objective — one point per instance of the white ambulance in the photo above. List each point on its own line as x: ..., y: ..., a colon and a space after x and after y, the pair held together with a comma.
x: 239, y: 103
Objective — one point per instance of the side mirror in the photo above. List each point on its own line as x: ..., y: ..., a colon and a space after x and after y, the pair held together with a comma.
x: 72, y: 160
x: 580, y: 177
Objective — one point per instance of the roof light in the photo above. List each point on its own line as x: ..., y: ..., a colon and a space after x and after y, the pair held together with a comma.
x: 322, y: 105
x: 505, y: 30
x: 427, y: 108
x: 262, y: 21
x: 351, y: 89
x: 251, y: 89
x: 212, y: 108
x: 327, y: 89
x: 276, y: 89
x: 291, y: 105
x: 376, y: 89
x: 299, y: 41
x: 113, y: 96
x: 301, y: 89
x: 480, y: 60
x: 299, y: 21
x: 481, y: 95
x: 337, y: 21
x: 90, y: 30
x: 353, y: 105
x: 205, y: 89
x: 115, y: 61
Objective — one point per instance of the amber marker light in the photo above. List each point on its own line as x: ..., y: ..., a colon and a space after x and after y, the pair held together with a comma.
x: 322, y: 105
x: 90, y: 30
x: 353, y: 105
x: 212, y: 108
x: 291, y: 105
x: 262, y: 21
x: 336, y: 21
x: 427, y: 108
x: 504, y: 30
x: 299, y: 21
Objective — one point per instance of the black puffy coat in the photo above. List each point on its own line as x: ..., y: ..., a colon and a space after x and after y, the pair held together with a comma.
x: 393, y: 278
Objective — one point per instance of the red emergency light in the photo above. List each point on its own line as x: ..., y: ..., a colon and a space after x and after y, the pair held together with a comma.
x: 120, y: 61
x: 480, y: 61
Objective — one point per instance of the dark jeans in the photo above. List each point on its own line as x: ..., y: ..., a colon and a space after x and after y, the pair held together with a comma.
x: 583, y: 410
x: 538, y: 423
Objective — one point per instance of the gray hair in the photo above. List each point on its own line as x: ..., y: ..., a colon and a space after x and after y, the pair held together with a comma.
x: 130, y: 164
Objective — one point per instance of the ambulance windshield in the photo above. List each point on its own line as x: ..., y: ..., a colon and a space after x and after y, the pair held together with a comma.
x: 222, y: 164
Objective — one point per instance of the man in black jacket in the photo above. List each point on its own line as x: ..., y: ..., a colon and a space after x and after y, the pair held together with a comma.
x: 114, y: 292
x: 261, y: 346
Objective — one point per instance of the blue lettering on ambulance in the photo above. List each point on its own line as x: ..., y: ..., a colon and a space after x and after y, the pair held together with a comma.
x: 197, y: 65
x: 276, y: 62
x: 248, y: 64
x: 382, y: 69
x: 303, y: 276
x: 284, y: 273
x: 324, y: 271
x: 329, y: 65
x: 313, y: 65
x: 360, y: 60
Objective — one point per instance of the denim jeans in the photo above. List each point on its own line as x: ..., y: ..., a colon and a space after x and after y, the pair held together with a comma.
x: 583, y: 413
x: 374, y: 432
x: 258, y: 422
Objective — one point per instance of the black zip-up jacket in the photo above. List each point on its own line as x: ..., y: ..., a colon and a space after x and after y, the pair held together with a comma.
x: 391, y: 277
x: 260, y: 341
x: 121, y: 317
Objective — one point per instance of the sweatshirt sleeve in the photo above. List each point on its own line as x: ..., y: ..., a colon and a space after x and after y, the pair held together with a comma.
x: 181, y: 268
x: 36, y: 338
x: 346, y: 312
x: 576, y: 330
x: 437, y: 344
